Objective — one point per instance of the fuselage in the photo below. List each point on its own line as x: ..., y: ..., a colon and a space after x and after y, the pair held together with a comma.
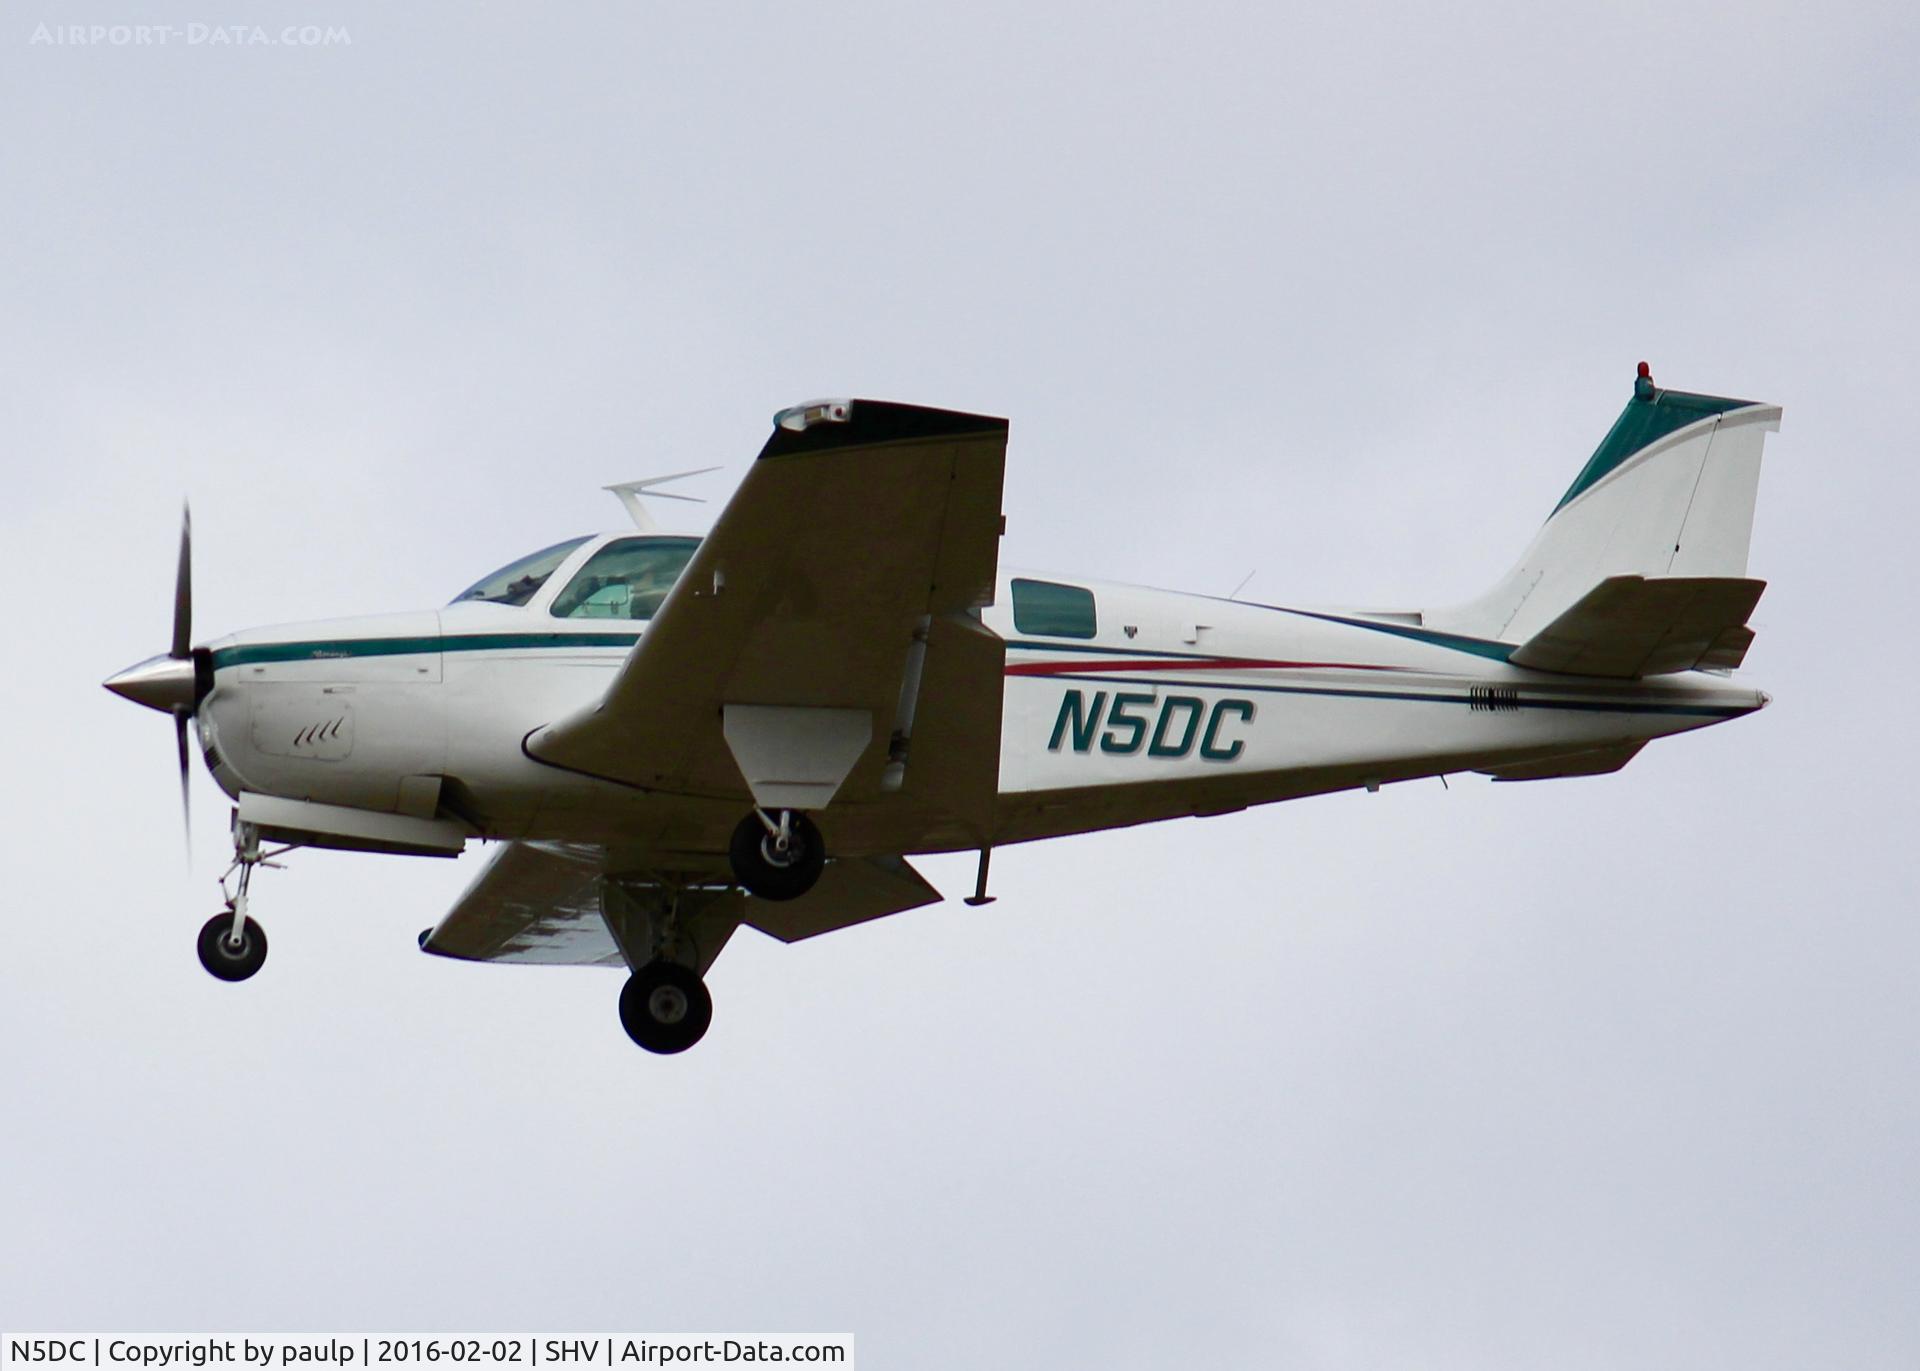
x: 1121, y: 705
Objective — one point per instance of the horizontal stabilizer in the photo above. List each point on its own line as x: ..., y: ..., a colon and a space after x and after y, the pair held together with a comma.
x: 1597, y: 761
x: 1631, y: 626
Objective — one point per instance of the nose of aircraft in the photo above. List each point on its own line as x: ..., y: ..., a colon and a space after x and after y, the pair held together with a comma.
x: 164, y: 683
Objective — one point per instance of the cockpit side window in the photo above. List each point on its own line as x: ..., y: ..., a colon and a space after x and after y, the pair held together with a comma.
x: 518, y: 582
x: 626, y: 579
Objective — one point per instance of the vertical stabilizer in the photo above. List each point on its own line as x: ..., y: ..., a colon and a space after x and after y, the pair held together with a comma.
x: 1669, y: 492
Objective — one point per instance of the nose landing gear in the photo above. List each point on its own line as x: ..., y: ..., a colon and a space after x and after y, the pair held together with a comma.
x: 232, y: 946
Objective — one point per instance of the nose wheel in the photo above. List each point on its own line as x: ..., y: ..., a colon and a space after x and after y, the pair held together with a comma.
x: 228, y: 956
x: 665, y: 1007
x: 232, y: 946
x: 777, y: 856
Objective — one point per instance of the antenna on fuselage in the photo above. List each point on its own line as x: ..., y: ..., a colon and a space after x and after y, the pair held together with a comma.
x: 631, y: 491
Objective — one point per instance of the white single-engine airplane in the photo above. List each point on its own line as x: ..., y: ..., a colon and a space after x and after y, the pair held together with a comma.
x: 673, y: 736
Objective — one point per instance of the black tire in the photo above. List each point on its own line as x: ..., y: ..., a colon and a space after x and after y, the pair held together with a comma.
x: 225, y: 960
x: 771, y: 875
x: 665, y: 1007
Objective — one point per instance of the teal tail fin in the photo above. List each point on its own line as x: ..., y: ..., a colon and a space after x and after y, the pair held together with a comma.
x: 1668, y: 493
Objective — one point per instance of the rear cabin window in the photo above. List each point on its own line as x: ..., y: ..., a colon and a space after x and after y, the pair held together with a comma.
x: 626, y: 579
x: 1052, y: 610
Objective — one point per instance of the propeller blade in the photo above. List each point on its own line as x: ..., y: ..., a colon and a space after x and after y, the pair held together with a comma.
x: 183, y: 601
x: 186, y: 804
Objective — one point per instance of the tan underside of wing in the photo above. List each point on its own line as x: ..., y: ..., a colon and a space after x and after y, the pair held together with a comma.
x: 539, y: 904
x: 808, y: 593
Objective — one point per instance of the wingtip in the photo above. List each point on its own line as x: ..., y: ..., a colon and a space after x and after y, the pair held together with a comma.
x: 823, y: 425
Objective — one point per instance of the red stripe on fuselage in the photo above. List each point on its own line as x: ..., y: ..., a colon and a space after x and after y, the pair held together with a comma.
x: 1084, y: 666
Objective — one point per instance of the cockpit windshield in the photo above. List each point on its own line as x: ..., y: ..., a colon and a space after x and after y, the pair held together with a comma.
x: 516, y: 583
x: 626, y: 579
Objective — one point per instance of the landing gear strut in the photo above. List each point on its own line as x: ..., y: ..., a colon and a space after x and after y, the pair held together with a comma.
x: 232, y: 946
x: 777, y: 856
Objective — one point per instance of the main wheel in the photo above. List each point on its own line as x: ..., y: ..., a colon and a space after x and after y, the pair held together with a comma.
x: 227, y: 959
x: 665, y: 1007
x: 770, y: 870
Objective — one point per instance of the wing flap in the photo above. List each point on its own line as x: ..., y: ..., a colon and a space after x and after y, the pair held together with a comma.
x: 1633, y: 626
x: 848, y: 893
x: 949, y: 770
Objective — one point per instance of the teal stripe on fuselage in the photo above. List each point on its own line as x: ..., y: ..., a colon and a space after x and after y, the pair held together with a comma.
x: 342, y: 648
x: 336, y: 648
x: 1479, y: 647
x: 327, y: 649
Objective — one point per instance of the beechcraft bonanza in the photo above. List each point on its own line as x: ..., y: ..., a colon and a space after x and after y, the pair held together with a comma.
x: 673, y: 736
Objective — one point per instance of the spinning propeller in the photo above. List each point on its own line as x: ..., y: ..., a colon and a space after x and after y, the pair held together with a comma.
x: 177, y: 682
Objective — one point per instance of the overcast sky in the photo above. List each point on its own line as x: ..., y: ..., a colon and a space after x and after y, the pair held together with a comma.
x: 1590, y: 1073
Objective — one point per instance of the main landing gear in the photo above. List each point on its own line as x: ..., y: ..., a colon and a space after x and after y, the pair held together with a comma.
x: 777, y: 856
x: 665, y: 1007
x: 669, y: 933
x: 232, y: 946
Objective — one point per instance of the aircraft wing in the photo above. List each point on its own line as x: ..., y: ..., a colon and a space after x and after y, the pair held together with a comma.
x: 539, y: 904
x: 536, y: 904
x: 833, y: 602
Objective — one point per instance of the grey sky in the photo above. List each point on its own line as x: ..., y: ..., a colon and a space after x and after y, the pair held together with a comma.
x: 1592, y: 1073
